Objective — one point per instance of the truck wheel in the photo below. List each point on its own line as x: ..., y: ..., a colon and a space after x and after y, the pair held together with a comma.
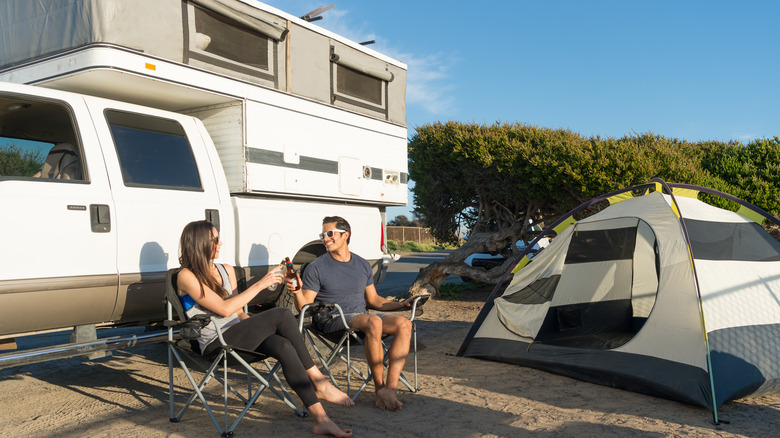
x: 286, y: 300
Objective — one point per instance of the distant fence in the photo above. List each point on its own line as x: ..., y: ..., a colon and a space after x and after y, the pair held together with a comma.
x: 414, y: 234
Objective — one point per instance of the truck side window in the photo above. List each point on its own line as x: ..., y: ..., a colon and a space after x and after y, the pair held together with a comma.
x: 153, y: 152
x: 37, y: 139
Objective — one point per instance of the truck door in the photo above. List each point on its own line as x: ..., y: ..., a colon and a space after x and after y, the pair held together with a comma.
x: 161, y: 177
x: 57, y: 217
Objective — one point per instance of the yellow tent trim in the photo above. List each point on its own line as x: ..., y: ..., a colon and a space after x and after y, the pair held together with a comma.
x: 658, y: 188
x: 563, y: 225
x: 675, y: 209
x: 752, y: 215
x: 621, y: 197
x: 686, y: 193
x: 521, y: 264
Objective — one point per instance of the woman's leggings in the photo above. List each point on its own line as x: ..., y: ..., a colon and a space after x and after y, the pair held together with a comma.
x: 275, y: 333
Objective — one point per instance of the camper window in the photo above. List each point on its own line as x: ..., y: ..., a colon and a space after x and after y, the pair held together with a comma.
x: 153, y: 152
x: 358, y: 82
x: 225, y: 44
x: 37, y: 139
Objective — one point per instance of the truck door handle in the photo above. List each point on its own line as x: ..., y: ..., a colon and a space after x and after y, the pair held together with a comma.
x: 100, y: 218
x: 212, y: 216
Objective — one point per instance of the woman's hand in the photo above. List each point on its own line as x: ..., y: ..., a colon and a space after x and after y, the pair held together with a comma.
x: 274, y: 276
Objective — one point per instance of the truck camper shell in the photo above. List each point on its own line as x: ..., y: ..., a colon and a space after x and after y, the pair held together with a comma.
x: 278, y: 94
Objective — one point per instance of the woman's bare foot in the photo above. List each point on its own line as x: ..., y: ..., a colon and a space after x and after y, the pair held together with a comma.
x: 326, y: 391
x: 323, y: 425
x: 387, y: 398
x: 328, y: 427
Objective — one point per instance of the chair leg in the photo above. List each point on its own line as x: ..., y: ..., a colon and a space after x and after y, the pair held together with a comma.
x: 273, y: 371
x: 170, y: 386
x: 336, y: 349
x: 414, y: 346
x: 385, y: 361
x: 325, y: 363
x: 264, y: 384
x: 197, y: 388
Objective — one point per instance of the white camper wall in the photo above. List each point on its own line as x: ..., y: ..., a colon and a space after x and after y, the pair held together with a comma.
x: 307, y: 149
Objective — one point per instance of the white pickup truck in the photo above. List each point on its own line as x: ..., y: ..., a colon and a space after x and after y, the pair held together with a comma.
x: 122, y: 136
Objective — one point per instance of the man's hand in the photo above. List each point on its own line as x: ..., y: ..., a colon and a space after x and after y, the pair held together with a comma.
x: 294, y: 284
x: 406, y: 303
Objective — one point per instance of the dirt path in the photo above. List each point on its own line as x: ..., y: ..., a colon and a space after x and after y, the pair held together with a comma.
x: 126, y: 396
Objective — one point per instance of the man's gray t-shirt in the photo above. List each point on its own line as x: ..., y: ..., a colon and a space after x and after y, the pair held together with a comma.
x: 338, y: 282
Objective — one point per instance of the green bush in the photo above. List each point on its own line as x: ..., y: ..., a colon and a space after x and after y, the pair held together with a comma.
x: 410, y: 246
x: 15, y: 161
x: 493, y: 177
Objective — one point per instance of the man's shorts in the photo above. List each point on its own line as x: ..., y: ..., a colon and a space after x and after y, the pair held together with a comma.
x: 336, y: 324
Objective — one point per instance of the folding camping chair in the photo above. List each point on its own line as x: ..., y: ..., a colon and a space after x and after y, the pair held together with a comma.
x: 338, y: 343
x: 184, y: 345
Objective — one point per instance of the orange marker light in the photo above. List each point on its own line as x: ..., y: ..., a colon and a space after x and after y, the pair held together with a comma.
x: 151, y: 66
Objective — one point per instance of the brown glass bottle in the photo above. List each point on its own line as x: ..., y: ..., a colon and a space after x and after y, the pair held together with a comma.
x: 291, y: 273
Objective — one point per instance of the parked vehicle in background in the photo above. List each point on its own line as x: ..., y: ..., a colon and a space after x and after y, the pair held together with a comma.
x: 492, y: 260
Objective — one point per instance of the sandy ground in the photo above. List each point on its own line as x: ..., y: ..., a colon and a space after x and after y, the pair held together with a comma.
x: 126, y: 396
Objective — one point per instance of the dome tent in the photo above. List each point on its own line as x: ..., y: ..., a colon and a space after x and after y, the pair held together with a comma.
x: 659, y: 293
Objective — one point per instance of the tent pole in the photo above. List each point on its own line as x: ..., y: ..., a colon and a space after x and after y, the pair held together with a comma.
x: 698, y: 294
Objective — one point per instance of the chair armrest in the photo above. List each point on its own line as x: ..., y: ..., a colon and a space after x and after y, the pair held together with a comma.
x: 218, y: 330
x: 189, y: 329
x: 418, y: 301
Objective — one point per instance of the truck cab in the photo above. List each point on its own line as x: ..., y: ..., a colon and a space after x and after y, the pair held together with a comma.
x: 90, y: 243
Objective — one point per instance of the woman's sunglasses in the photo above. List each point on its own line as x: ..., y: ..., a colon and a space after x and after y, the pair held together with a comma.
x: 330, y: 233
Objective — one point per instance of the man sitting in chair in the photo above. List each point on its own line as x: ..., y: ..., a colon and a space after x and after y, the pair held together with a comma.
x: 342, y: 277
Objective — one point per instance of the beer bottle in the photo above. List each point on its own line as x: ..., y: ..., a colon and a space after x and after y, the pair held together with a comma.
x: 291, y: 273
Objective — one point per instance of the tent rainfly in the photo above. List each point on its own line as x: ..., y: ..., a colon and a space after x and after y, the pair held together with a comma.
x: 659, y: 293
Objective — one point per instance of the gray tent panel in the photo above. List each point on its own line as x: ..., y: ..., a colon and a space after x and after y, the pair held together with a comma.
x: 744, y: 361
x: 746, y: 241
x: 642, y: 374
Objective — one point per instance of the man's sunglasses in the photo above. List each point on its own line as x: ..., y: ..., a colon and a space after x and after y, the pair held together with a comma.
x: 330, y: 233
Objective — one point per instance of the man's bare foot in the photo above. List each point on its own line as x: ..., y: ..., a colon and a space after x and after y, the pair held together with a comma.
x: 326, y: 391
x: 387, y: 398
x: 328, y: 427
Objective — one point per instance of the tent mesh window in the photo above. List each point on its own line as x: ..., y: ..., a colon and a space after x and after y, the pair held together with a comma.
x: 603, y: 316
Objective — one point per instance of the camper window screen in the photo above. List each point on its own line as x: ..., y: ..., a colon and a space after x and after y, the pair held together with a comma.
x: 359, y: 85
x: 228, y: 41
x: 153, y: 152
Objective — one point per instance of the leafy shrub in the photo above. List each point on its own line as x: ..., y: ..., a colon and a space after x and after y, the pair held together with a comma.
x: 410, y: 246
x: 16, y: 161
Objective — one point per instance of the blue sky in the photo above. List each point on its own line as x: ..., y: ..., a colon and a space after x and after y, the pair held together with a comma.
x: 694, y: 70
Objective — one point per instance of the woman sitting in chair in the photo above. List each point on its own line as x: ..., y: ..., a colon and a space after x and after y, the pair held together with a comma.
x: 273, y: 332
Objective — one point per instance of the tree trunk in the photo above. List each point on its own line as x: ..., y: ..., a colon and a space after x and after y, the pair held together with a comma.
x: 430, y: 278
